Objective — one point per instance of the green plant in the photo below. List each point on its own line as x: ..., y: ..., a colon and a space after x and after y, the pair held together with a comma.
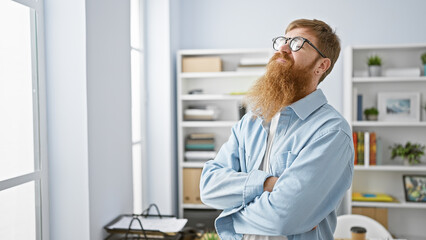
x: 374, y: 61
x: 210, y: 236
x: 371, y: 111
x: 423, y: 57
x: 410, y: 151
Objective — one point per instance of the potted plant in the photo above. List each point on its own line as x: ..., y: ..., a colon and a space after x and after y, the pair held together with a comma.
x: 374, y: 66
x: 371, y: 114
x: 423, y: 57
x: 410, y: 153
x: 210, y: 236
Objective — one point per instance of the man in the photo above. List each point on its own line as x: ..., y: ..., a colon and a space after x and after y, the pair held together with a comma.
x: 289, y: 161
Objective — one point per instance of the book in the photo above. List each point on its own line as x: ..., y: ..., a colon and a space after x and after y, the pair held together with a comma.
x: 379, y: 151
x: 366, y: 149
x: 355, y: 139
x: 373, y: 149
x: 372, y: 197
x: 201, y: 112
x: 199, y: 147
x: 359, y: 108
x: 199, y: 155
x: 360, y: 148
x: 199, y: 141
x: 201, y: 136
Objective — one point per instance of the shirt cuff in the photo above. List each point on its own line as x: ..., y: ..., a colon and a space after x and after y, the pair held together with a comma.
x: 253, y: 186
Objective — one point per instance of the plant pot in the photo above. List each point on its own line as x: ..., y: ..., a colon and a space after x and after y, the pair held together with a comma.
x: 374, y: 71
x: 371, y: 117
x: 424, y: 72
x: 406, y: 162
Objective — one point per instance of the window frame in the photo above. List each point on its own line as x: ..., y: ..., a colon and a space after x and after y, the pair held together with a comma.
x: 40, y: 174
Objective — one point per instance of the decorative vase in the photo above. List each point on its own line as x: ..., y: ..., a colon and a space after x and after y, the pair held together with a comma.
x: 371, y: 117
x: 424, y: 68
x: 374, y: 70
x: 406, y: 162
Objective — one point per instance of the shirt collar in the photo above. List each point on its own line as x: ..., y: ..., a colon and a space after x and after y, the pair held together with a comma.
x: 307, y: 105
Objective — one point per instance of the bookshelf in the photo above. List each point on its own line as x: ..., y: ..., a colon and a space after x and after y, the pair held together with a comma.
x: 406, y: 219
x: 223, y: 89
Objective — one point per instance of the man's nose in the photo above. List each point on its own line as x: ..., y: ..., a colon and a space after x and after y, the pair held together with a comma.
x: 285, y: 48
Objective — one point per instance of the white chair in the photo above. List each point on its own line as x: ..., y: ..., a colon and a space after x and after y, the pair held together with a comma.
x: 374, y: 229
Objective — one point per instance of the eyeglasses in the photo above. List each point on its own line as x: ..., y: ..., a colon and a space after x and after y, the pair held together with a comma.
x: 295, y: 44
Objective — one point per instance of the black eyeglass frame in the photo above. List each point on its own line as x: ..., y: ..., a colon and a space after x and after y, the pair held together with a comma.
x: 292, y: 39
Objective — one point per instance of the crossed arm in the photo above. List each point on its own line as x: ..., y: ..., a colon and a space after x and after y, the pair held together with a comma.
x: 297, y: 201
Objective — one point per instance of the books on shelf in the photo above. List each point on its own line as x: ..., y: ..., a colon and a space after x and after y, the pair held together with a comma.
x: 372, y: 197
x: 200, y: 147
x: 201, y: 113
x: 367, y: 152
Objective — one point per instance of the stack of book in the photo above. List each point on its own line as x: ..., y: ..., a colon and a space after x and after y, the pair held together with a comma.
x: 200, y: 147
x: 372, y: 197
x: 368, y: 149
x: 201, y: 113
x: 252, y: 64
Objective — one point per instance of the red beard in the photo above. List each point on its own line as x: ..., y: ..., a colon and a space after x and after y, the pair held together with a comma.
x: 282, y: 85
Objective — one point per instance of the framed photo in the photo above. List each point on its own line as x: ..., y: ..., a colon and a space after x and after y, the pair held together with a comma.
x: 399, y: 106
x: 415, y: 188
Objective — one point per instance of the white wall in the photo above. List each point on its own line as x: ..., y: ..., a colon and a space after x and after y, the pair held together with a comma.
x: 88, y: 98
x: 161, y: 182
x: 67, y: 118
x: 108, y: 111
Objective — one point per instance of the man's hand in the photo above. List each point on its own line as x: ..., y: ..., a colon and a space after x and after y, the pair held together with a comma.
x: 269, y: 184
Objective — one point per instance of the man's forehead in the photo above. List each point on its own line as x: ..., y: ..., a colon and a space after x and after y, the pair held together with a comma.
x: 299, y: 32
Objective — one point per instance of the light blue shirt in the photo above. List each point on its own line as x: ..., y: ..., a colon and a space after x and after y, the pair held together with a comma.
x: 312, y: 154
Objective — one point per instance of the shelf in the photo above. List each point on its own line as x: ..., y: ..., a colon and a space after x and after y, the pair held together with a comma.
x: 196, y: 206
x: 388, y: 79
x: 196, y: 97
x: 392, y: 168
x: 194, y: 164
x: 387, y: 124
x: 228, y: 74
x: 386, y: 178
x: 208, y: 123
x: 401, y: 204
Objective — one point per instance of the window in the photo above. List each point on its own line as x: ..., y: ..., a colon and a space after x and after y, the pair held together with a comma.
x: 23, y: 160
x: 138, y: 103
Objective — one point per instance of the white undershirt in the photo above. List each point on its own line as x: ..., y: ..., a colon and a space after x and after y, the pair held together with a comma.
x: 264, y: 166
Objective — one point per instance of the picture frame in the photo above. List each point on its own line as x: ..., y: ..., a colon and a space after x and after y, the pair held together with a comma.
x: 415, y: 188
x: 399, y: 106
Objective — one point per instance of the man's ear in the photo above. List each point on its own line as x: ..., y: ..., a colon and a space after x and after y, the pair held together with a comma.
x: 324, y: 65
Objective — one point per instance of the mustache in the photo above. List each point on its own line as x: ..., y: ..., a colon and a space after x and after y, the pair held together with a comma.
x: 282, y: 55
